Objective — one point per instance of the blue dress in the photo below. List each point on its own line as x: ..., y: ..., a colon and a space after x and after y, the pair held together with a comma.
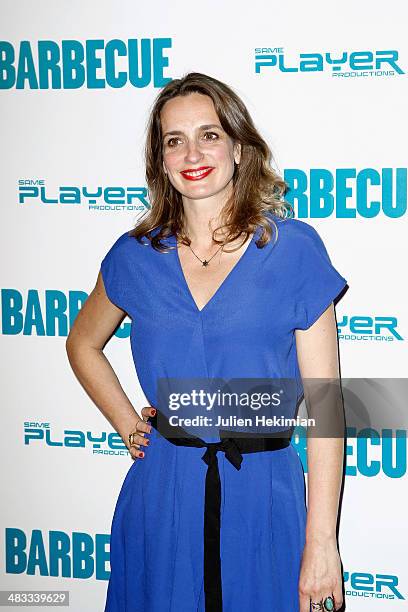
x: 245, y: 330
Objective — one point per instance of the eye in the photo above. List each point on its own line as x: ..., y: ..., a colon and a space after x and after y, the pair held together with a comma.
x: 172, y: 142
x: 212, y: 135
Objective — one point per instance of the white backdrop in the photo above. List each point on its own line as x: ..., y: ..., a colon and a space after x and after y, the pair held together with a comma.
x: 323, y: 125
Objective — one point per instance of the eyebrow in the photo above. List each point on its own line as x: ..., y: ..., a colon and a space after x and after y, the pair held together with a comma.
x: 207, y: 126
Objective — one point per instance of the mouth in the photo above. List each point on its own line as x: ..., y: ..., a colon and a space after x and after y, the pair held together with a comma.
x: 197, y: 174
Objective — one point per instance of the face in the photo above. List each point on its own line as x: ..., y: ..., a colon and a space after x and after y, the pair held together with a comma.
x: 198, y: 156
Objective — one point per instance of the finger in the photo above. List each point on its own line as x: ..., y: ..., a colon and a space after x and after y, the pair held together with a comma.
x: 137, y: 446
x: 139, y: 439
x: 138, y: 436
x: 316, y: 597
x: 304, y: 603
x: 136, y: 453
x: 148, y: 411
x: 142, y: 428
x: 338, y: 598
x: 321, y: 597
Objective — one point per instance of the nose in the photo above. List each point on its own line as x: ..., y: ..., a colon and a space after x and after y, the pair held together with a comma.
x: 193, y: 152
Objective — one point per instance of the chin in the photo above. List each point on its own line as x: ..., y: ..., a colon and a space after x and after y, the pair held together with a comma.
x: 199, y: 192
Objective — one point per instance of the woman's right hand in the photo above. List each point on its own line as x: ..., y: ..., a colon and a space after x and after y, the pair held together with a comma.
x: 138, y: 438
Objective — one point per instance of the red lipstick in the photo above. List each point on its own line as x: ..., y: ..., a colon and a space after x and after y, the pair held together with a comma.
x: 196, y: 174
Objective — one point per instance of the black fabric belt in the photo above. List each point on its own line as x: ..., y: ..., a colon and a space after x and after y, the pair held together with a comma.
x: 233, y: 447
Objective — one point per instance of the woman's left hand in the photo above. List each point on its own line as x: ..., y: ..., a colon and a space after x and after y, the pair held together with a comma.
x: 320, y: 574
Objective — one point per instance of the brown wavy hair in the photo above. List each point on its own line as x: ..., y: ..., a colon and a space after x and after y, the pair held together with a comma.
x: 257, y: 188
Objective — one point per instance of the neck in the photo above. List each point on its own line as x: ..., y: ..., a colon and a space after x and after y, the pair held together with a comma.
x: 201, y: 217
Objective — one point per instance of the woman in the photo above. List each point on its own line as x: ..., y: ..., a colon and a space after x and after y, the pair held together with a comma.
x: 219, y: 281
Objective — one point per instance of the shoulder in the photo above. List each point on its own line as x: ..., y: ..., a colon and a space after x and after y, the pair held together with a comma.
x: 295, y: 234
x: 124, y: 245
x: 124, y: 240
x: 292, y: 226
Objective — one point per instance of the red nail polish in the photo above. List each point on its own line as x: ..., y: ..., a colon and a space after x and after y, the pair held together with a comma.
x: 141, y: 454
x: 153, y: 411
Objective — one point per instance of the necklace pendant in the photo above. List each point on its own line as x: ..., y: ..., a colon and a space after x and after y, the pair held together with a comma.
x: 205, y: 262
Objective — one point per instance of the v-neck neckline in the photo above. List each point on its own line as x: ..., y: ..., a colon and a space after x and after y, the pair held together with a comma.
x: 227, y: 279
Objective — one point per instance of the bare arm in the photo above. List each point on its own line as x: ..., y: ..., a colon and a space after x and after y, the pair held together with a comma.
x: 317, y: 349
x: 318, y: 358
x: 94, y: 325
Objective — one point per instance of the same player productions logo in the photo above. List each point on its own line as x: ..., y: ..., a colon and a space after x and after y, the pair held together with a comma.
x: 340, y: 64
x: 368, y: 328
x: 101, y: 443
x: 97, y: 198
x: 91, y: 64
x: 369, y: 586
x: 347, y: 193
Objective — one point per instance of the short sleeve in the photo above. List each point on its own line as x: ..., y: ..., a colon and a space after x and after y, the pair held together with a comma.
x: 318, y: 283
x: 114, y: 267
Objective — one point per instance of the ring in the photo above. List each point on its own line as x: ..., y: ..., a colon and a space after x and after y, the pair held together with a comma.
x: 327, y: 604
x: 131, y: 440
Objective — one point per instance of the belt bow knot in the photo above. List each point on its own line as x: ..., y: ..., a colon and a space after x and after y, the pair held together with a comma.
x: 230, y: 448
